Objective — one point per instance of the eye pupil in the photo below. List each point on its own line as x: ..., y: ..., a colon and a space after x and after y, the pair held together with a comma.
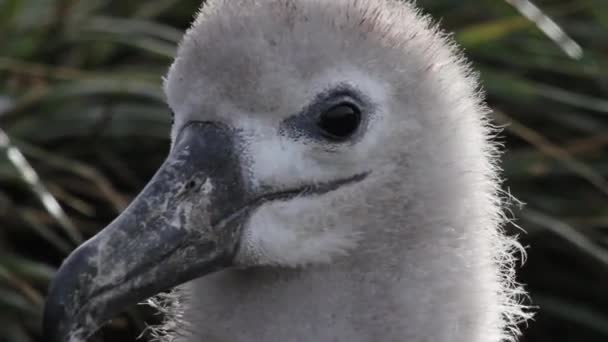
x: 340, y: 122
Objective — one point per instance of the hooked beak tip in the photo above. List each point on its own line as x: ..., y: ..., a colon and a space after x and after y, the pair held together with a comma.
x: 91, y: 287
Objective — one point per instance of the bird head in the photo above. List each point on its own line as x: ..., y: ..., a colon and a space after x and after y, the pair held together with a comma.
x: 298, y: 127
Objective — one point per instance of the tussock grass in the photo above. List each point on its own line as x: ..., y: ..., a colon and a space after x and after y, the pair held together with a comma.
x: 83, y: 126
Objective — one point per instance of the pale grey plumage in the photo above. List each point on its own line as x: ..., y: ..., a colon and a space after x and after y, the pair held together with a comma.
x: 414, y: 253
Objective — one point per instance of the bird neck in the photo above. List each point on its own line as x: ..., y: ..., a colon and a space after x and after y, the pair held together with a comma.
x: 431, y: 288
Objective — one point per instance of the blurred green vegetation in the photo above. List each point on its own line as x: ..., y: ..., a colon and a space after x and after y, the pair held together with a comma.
x: 84, y: 125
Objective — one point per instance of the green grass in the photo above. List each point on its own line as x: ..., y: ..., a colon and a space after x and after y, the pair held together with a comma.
x: 83, y: 115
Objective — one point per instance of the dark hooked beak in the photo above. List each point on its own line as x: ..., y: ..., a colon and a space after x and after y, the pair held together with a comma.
x: 184, y: 224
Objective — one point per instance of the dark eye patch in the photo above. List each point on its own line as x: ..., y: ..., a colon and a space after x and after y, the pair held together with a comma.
x: 335, y: 116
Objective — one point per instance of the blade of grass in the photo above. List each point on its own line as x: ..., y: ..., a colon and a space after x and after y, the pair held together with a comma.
x: 30, y: 176
x: 15, y: 302
x: 55, y: 72
x: 570, y: 311
x: 81, y: 90
x: 46, y: 232
x: 148, y: 44
x: 571, y: 98
x: 28, y: 269
x: 101, y: 182
x: 133, y: 27
x: 496, y: 29
x: 22, y: 286
x: 71, y: 201
x: 548, y: 27
x: 569, y: 234
x: 44, y: 71
x: 553, y: 150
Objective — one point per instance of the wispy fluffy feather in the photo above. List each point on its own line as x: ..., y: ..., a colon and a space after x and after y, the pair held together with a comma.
x: 426, y: 228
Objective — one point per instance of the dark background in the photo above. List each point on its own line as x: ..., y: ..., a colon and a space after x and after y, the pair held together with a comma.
x: 80, y: 99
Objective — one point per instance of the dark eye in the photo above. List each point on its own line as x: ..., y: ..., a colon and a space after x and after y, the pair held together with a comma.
x: 172, y: 118
x: 340, y: 122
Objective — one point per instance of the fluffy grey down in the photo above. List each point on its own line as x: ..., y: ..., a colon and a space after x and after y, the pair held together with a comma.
x: 414, y: 253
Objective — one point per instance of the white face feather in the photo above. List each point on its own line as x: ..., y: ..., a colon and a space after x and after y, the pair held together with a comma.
x: 304, y: 230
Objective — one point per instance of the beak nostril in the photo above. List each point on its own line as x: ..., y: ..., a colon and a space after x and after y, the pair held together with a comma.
x: 193, y: 185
